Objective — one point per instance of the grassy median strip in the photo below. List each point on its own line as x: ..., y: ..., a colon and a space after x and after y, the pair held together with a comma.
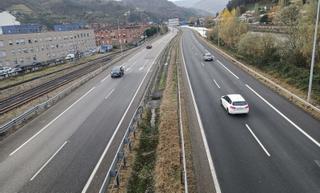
x: 141, y: 179
x: 155, y: 164
x: 168, y: 166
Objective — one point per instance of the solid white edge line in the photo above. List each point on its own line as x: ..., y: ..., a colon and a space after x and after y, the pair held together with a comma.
x: 45, y: 127
x: 227, y: 69
x: 182, y: 140
x: 47, y: 162
x: 216, y: 83
x: 85, y: 188
x: 256, y: 138
x: 285, y: 117
x: 108, y: 95
x: 205, y: 142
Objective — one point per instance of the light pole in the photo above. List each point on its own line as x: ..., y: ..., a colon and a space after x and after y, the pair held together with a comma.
x: 313, y: 54
x: 218, y: 32
x: 119, y: 37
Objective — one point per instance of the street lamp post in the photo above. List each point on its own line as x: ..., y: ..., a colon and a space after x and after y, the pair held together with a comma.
x: 218, y: 32
x: 313, y: 54
x: 119, y: 37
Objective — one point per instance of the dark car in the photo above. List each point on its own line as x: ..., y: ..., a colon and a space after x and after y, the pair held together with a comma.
x: 149, y: 46
x: 117, y: 72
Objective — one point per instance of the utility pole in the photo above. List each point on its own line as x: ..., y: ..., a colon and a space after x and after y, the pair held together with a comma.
x: 313, y: 54
x: 218, y: 32
x: 119, y: 37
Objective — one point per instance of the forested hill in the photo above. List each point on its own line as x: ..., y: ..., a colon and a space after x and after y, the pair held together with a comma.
x: 238, y: 3
x: 48, y: 12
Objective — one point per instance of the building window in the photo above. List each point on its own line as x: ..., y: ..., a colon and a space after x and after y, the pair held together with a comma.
x: 2, y: 54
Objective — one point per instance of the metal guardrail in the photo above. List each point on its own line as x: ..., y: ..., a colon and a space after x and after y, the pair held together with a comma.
x: 125, y: 145
x: 45, y: 105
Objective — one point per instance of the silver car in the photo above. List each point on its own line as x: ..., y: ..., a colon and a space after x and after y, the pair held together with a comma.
x: 207, y: 57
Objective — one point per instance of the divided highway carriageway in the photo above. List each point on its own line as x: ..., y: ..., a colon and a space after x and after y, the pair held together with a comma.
x: 273, y: 149
x: 61, y: 150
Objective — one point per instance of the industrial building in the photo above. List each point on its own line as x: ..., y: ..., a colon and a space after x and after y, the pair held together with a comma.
x: 21, y: 29
x: 68, y: 27
x: 31, y: 48
x: 173, y: 22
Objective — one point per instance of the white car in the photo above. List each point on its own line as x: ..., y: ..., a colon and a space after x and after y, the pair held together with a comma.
x: 207, y: 57
x: 70, y: 56
x: 235, y: 104
x: 4, y: 71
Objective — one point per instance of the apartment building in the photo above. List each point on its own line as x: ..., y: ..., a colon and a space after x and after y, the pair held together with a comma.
x: 113, y: 36
x: 26, y: 49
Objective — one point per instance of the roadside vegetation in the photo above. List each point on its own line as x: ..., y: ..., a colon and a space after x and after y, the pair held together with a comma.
x: 141, y: 179
x: 287, y: 59
x: 168, y: 166
x: 157, y: 160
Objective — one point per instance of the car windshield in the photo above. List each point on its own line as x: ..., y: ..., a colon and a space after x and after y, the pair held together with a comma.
x: 240, y: 103
x: 115, y: 69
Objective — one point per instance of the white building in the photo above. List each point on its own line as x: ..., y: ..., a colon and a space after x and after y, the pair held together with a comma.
x: 173, y: 22
x: 26, y: 49
x: 7, y: 19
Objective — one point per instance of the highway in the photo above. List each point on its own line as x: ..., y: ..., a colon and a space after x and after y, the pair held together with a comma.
x: 274, y: 149
x: 60, y: 150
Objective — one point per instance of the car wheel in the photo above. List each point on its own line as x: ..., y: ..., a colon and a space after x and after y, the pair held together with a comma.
x: 228, y: 111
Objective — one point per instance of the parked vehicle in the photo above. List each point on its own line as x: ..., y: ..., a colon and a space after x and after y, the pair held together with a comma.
x: 235, y: 104
x: 117, y: 72
x: 149, y: 46
x: 14, y: 71
x: 70, y: 57
x: 4, y: 71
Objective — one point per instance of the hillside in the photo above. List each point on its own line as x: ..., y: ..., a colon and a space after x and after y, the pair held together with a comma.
x: 210, y: 6
x: 48, y: 12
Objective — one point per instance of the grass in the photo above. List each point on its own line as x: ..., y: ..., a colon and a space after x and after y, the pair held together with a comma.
x: 168, y: 165
x: 141, y: 179
x: 291, y: 77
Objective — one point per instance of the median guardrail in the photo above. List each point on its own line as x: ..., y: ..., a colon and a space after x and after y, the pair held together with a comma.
x: 124, y: 148
x: 45, y: 105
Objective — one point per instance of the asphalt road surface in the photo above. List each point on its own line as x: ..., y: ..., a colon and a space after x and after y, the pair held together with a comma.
x: 59, y: 150
x: 274, y: 149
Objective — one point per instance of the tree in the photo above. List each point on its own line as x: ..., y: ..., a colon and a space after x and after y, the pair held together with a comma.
x: 230, y: 28
x: 259, y: 49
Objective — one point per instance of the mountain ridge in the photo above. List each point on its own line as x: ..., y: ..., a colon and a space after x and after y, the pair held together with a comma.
x: 48, y: 12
